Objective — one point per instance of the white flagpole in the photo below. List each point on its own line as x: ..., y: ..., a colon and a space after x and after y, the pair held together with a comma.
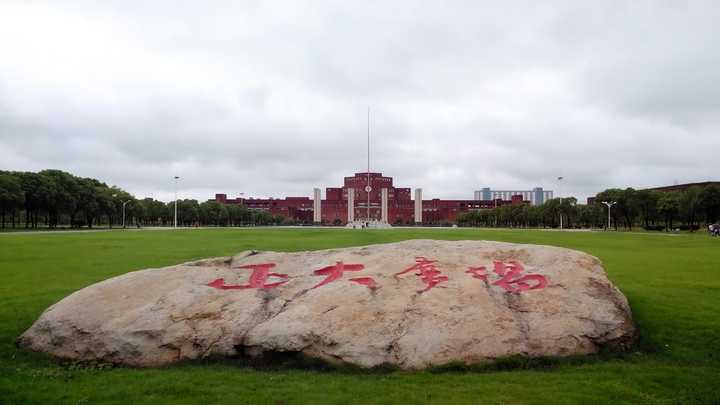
x: 367, y: 189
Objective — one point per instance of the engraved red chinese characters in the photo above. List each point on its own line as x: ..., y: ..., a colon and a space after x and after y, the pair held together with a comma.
x: 258, y: 278
x: 428, y: 272
x: 366, y: 281
x: 511, y: 277
x: 336, y: 271
x: 478, y: 272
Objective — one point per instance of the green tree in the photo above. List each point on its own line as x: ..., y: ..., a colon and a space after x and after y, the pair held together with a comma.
x: 627, y: 206
x: 690, y: 205
x: 113, y: 207
x: 246, y: 216
x: 154, y: 212
x: 590, y: 216
x: 551, y: 213
x: 235, y: 214
x: 35, y: 188
x: 647, y: 202
x: 137, y: 212
x: 86, y: 202
x: 710, y: 203
x: 261, y: 217
x: 213, y: 213
x: 11, y: 195
x: 62, y: 197
x: 188, y: 212
x: 568, y: 210
x: 669, y: 206
x: 610, y: 195
x: 534, y: 215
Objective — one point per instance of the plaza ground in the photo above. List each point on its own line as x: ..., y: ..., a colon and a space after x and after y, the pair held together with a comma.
x: 671, y: 281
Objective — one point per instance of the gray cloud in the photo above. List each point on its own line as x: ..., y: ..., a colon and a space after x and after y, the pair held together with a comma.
x: 270, y: 98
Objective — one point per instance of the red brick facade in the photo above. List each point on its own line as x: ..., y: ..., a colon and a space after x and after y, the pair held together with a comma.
x: 334, y: 207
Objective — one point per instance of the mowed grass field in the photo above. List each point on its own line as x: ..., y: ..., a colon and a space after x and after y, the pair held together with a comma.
x: 672, y: 282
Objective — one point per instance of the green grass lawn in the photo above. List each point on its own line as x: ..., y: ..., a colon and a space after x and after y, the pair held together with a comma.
x: 672, y: 282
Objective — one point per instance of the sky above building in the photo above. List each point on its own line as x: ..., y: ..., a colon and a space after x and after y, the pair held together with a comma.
x: 270, y: 98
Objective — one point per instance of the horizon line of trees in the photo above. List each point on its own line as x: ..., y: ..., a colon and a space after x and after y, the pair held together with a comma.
x: 53, y: 198
x: 650, y: 209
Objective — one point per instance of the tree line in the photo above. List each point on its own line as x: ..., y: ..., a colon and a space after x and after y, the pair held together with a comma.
x: 657, y: 210
x: 52, y: 198
x: 650, y: 209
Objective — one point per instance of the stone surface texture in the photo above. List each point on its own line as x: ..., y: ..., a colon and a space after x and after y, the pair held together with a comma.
x: 412, y: 304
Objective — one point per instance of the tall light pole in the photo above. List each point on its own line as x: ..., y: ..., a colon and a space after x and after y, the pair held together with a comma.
x: 175, y: 216
x: 560, y: 197
x: 110, y: 219
x: 241, y: 202
x: 368, y: 188
x: 124, y: 204
x: 609, y: 205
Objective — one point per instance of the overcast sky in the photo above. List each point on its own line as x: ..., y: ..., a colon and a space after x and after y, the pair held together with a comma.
x: 270, y: 98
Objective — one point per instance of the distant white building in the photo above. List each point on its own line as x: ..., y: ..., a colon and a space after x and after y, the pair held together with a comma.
x: 536, y: 196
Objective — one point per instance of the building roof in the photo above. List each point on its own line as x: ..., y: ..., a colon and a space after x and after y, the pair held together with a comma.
x: 685, y: 186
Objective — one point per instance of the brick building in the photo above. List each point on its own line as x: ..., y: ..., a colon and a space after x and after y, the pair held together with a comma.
x: 400, y: 209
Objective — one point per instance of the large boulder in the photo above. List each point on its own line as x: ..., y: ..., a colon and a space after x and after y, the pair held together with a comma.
x: 411, y: 304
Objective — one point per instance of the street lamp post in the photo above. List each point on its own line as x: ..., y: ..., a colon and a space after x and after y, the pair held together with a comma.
x: 560, y: 196
x: 368, y: 188
x: 561, y: 224
x: 609, y: 205
x: 175, y: 216
x: 240, y: 199
x: 124, y: 203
